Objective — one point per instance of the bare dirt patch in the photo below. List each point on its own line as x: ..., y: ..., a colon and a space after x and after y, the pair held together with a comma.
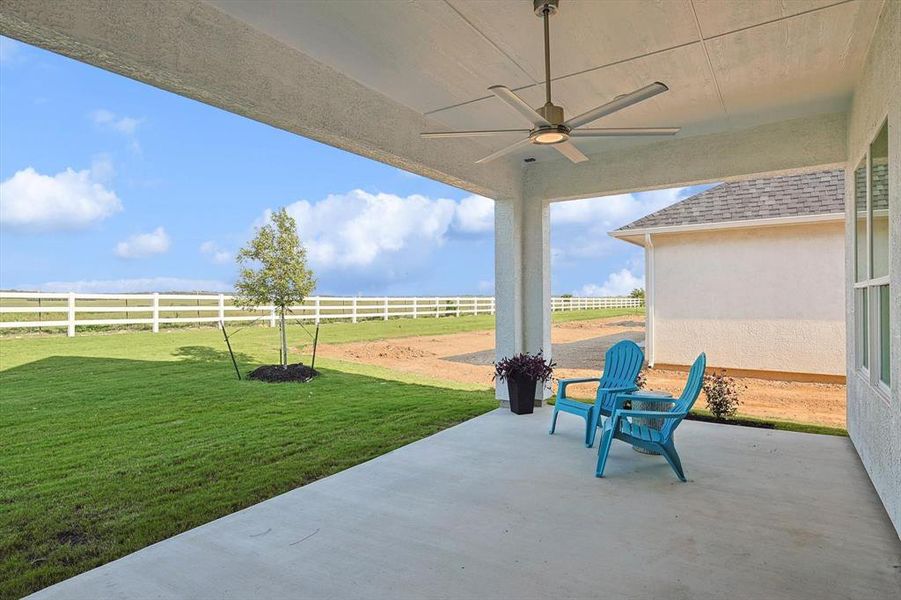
x: 818, y: 403
x: 388, y: 350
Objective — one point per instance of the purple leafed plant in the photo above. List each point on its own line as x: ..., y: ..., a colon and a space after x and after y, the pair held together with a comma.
x: 722, y: 395
x: 530, y: 366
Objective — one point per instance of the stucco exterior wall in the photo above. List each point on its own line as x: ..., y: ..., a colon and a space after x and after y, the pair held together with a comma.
x: 874, y: 418
x: 768, y: 299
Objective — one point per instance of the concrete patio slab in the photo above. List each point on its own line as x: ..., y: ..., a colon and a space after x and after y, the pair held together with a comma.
x: 496, y: 508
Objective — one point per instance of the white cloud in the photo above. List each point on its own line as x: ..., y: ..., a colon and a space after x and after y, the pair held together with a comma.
x: 126, y: 286
x: 580, y: 227
x: 144, y: 244
x: 359, y: 229
x: 382, y: 239
x: 69, y: 200
x: 10, y: 50
x: 486, y: 286
x: 215, y: 253
x: 474, y: 214
x: 619, y: 283
x: 118, y: 123
x: 612, y: 211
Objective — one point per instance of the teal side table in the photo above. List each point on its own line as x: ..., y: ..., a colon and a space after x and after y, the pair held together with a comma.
x: 649, y: 404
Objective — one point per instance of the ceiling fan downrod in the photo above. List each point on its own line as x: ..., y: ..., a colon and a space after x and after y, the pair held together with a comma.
x: 544, y: 9
x: 545, y: 14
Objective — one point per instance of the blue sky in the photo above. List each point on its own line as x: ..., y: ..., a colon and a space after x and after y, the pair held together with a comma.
x: 107, y: 184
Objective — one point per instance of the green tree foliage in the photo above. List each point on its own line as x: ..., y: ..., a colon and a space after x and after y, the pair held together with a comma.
x: 637, y: 293
x: 273, y: 271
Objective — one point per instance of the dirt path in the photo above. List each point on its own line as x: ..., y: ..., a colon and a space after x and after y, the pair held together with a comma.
x: 466, y: 357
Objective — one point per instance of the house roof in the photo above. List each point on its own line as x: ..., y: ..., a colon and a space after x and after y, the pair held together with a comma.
x: 820, y: 193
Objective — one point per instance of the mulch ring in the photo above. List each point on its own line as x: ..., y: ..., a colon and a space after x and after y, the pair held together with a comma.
x: 278, y: 374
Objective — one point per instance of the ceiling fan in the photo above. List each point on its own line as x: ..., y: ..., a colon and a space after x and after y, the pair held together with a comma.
x: 549, y: 128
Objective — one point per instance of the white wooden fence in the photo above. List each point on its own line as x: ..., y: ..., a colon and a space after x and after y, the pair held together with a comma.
x: 27, y: 310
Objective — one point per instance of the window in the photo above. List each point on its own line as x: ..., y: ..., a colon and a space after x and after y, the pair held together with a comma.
x: 860, y: 221
x: 863, y: 344
x: 879, y: 204
x: 885, y: 361
x: 871, y: 262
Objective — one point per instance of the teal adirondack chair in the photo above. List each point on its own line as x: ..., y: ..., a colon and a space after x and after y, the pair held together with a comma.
x: 622, y: 362
x: 621, y: 427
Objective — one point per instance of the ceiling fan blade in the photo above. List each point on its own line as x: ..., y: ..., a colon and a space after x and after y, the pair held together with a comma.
x: 570, y: 151
x: 618, y: 103
x: 505, y: 150
x: 474, y: 133
x: 519, y: 105
x: 624, y: 131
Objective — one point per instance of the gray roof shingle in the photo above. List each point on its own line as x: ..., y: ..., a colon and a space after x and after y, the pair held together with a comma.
x: 787, y: 196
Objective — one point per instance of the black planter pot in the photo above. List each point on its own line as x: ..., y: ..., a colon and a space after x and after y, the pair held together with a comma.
x: 522, y: 394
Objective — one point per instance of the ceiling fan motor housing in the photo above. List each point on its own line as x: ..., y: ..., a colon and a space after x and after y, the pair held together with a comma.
x: 552, y: 113
x: 554, y: 133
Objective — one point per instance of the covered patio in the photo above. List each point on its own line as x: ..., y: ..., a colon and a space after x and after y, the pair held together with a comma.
x: 496, y: 508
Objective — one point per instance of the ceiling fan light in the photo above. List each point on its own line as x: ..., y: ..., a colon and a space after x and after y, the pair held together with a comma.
x: 549, y: 137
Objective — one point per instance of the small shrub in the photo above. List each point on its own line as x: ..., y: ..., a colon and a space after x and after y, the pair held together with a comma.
x: 722, y: 395
x: 533, y: 366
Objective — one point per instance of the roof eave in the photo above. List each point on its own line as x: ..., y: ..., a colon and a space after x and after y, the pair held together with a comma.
x: 623, y: 234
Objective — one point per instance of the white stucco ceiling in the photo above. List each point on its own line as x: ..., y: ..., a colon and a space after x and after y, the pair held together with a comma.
x: 729, y: 65
x: 759, y: 86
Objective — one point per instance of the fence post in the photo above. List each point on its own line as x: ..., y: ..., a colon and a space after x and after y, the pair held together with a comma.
x: 386, y: 309
x: 71, y: 327
x: 155, y: 314
x: 457, y: 301
x: 414, y: 307
x: 353, y: 310
x: 221, y: 310
x: 272, y: 317
x: 317, y: 303
x: 437, y: 307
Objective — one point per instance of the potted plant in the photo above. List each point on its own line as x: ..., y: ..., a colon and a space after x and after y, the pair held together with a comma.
x: 522, y: 373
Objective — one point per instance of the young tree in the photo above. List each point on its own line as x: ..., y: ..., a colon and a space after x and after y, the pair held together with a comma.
x: 637, y: 293
x: 273, y: 270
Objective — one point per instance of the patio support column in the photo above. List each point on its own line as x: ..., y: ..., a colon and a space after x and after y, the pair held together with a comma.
x: 522, y: 282
x: 649, y: 299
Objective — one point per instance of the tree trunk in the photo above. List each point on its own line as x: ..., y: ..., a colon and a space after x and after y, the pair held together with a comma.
x: 284, y: 336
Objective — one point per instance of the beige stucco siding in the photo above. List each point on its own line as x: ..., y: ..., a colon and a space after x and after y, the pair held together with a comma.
x: 767, y: 299
x: 874, y: 417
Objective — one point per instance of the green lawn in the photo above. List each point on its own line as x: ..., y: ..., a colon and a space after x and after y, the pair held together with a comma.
x: 110, y: 442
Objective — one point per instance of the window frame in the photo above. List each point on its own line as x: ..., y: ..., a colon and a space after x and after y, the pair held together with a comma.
x: 867, y: 329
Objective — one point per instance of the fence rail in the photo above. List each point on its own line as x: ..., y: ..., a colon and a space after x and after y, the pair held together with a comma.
x: 26, y: 310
